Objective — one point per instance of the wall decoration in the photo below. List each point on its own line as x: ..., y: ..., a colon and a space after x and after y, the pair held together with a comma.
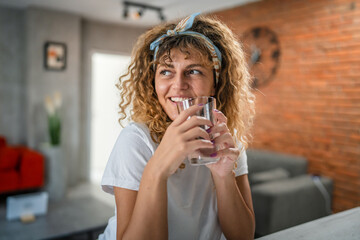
x: 262, y: 49
x: 55, y: 56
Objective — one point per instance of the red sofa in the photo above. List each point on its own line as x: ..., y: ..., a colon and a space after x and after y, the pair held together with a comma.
x: 20, y: 168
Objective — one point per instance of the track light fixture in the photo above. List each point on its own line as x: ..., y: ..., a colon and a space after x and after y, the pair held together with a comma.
x: 142, y: 7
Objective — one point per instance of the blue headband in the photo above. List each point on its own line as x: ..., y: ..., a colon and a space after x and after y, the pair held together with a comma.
x: 180, y: 29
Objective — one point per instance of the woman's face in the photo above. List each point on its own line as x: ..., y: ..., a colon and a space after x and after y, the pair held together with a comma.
x: 182, y: 78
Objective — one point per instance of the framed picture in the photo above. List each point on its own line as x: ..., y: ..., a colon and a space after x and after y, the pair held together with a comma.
x: 55, y: 56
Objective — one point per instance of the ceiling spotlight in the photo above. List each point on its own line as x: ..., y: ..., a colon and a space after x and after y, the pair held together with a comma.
x: 140, y: 12
x: 137, y: 14
x: 142, y: 7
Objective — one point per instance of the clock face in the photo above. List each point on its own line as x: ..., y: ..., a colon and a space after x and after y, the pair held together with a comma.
x: 262, y: 50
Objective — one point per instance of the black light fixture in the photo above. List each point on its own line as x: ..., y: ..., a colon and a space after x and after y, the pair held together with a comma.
x: 140, y: 12
x: 142, y: 7
x: 161, y: 16
x: 126, y: 12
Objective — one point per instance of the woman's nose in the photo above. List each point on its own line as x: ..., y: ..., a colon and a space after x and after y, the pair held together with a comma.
x: 180, y: 82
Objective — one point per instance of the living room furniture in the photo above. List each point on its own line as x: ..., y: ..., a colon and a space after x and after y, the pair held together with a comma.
x: 343, y: 225
x: 21, y: 168
x: 80, y: 215
x: 284, y: 194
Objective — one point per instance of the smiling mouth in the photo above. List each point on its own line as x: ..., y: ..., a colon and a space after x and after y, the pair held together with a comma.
x: 178, y: 99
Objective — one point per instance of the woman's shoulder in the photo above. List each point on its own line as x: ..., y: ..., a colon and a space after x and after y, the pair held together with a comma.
x: 135, y: 128
x: 138, y: 126
x: 138, y: 132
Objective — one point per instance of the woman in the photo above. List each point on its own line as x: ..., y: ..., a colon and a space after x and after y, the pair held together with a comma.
x: 158, y: 194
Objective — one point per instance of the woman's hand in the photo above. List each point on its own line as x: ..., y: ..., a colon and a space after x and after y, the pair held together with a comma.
x: 224, y: 142
x: 180, y: 139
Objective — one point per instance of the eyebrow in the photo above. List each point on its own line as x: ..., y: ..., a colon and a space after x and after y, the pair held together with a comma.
x: 187, y: 67
x: 195, y: 65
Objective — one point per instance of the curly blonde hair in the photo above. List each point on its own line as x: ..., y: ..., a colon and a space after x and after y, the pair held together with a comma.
x: 233, y: 91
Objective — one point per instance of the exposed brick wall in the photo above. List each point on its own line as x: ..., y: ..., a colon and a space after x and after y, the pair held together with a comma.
x: 312, y: 106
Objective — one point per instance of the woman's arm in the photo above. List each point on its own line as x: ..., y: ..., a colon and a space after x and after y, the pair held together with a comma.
x: 125, y: 202
x: 235, y: 209
x: 143, y: 214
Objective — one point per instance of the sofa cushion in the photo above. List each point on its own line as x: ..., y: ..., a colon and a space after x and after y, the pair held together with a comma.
x: 261, y: 160
x: 2, y: 142
x: 31, y: 169
x: 269, y: 175
x: 9, y: 158
x: 9, y: 181
x: 286, y: 203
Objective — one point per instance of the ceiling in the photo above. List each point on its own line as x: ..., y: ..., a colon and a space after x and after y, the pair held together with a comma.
x: 112, y: 10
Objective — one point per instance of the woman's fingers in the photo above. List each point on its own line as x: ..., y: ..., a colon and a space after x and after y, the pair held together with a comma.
x: 220, y: 132
x: 226, y: 163
x: 230, y: 153
x: 195, y: 121
x: 219, y: 129
x: 219, y: 116
x: 193, y: 145
x: 184, y: 115
x: 196, y: 132
x: 224, y: 141
x: 197, y: 144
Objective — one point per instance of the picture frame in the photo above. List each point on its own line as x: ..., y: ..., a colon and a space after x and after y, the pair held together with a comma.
x: 55, y: 56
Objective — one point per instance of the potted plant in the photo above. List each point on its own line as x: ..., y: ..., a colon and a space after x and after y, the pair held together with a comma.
x: 52, y: 105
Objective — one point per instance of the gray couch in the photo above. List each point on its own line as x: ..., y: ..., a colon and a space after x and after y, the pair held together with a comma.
x: 284, y: 195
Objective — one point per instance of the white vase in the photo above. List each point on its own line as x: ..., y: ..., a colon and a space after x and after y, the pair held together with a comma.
x: 56, y: 171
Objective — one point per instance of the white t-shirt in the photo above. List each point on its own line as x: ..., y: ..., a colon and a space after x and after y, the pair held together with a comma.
x: 192, y: 209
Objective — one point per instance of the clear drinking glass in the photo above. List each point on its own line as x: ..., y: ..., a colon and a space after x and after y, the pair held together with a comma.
x: 201, y: 156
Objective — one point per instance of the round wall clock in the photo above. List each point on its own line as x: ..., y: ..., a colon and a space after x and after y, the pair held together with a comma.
x: 262, y: 49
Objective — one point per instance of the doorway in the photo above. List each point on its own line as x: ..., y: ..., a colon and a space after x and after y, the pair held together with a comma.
x: 105, y: 128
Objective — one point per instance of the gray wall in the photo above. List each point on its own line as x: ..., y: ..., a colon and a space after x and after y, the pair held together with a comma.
x: 41, y: 26
x: 102, y: 37
x: 24, y: 82
x: 12, y: 72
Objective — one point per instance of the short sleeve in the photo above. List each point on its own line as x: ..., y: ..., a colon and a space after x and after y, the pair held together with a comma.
x: 242, y: 167
x: 127, y: 160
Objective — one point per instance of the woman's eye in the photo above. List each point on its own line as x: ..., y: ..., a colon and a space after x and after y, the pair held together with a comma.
x: 165, y: 72
x: 194, y: 71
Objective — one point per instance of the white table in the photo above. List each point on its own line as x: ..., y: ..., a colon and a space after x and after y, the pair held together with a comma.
x: 344, y: 225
